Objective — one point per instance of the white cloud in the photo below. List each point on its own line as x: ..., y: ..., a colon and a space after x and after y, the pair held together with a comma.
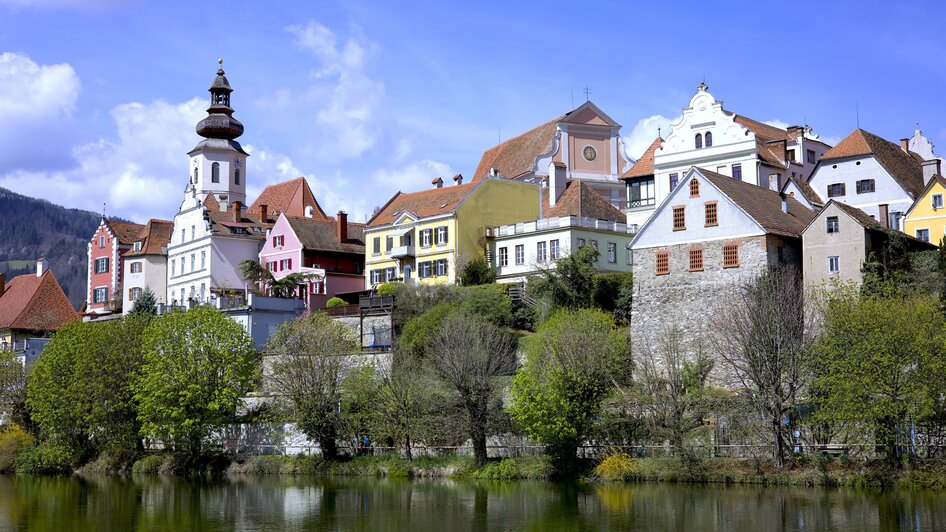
x: 349, y: 125
x: 36, y: 106
x: 644, y: 132
x: 777, y: 123
x: 414, y: 176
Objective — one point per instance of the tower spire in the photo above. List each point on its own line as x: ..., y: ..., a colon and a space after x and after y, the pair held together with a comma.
x: 220, y: 123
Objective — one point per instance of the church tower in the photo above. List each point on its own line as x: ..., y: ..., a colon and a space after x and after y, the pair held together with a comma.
x: 218, y: 163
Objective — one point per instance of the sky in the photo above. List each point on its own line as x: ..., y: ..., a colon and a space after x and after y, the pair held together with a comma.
x: 99, y: 98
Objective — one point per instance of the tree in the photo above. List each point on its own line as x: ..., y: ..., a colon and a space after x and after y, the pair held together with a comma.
x: 886, y: 272
x: 198, y: 366
x: 256, y: 274
x: 571, y: 283
x: 469, y: 353
x: 881, y: 364
x: 764, y: 336
x: 13, y: 389
x: 310, y: 357
x: 572, y: 364
x: 477, y: 272
x: 403, y: 399
x: 941, y: 269
x: 145, y: 304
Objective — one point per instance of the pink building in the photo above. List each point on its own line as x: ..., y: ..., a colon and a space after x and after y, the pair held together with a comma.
x: 107, y: 248
x: 330, y: 252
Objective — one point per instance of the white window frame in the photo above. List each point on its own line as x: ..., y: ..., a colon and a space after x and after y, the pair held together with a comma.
x: 555, y: 250
x: 612, y: 253
x: 937, y: 204
x: 441, y: 268
x: 917, y: 234
x: 96, y: 292
x: 520, y: 254
x: 441, y: 235
x: 834, y: 264
x: 102, y: 269
x: 541, y: 252
x: 837, y: 225
x: 101, y: 242
x: 426, y: 238
x: 503, y: 256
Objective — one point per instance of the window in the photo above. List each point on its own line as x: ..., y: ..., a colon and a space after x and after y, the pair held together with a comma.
x: 630, y: 257
x: 390, y: 274
x: 271, y: 266
x: 424, y: 270
x: 773, y: 181
x: 641, y: 193
x: 375, y: 277
x: 810, y: 156
x: 193, y: 261
x: 679, y: 219
x: 553, y: 250
x: 832, y: 224
x: 520, y: 254
x: 441, y: 265
x: 441, y: 235
x: 790, y: 155
x: 183, y: 235
x: 215, y: 173
x: 698, y: 141
x: 864, y: 186
x: 594, y: 244
x: 673, y: 181
x: 236, y: 176
x: 709, y: 214
x: 612, y: 253
x: 834, y: 264
x: 737, y: 172
x: 193, y: 232
x: 923, y: 234
x: 133, y: 293
x: 731, y: 256
x: 203, y: 260
x: 503, y: 256
x: 173, y: 262
x: 696, y: 260
x: 540, y: 254
x: 138, y: 245
x: 101, y: 241
x: 101, y: 265
x: 580, y: 243
x: 135, y: 267
x: 100, y: 295
x: 663, y: 262
x: 721, y: 170
x: 376, y: 245
x: 426, y: 238
x: 195, y: 173
x: 285, y: 264
x: 279, y: 241
x: 709, y: 139
x: 694, y: 188
x: 937, y: 201
x: 388, y: 243
x: 835, y: 189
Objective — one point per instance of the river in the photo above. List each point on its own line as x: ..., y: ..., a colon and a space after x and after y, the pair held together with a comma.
x: 281, y: 503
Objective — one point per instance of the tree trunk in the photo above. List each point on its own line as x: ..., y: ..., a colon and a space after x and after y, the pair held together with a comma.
x: 478, y: 431
x: 779, y: 442
x: 407, y: 448
x: 329, y: 446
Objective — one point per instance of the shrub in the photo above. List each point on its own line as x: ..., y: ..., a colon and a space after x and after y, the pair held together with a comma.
x: 13, y: 440
x: 477, y: 272
x: 46, y: 459
x: 505, y: 469
x: 389, y: 288
x: 419, y: 331
x: 489, y: 301
x: 617, y: 465
x: 335, y: 302
x: 149, y: 465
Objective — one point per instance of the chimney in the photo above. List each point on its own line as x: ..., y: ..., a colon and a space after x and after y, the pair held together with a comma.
x: 263, y: 213
x: 3, y: 284
x: 905, y: 145
x: 796, y: 131
x: 236, y: 212
x: 437, y: 182
x: 458, y: 179
x: 930, y: 168
x: 41, y: 266
x: 784, y: 199
x: 884, y: 217
x: 556, y: 181
x: 341, y: 226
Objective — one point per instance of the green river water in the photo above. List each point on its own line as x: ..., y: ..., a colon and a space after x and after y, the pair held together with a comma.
x: 281, y: 503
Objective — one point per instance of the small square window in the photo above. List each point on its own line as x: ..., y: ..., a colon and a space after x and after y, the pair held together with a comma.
x: 923, y: 234
x: 710, y: 214
x: 679, y: 219
x: 834, y: 264
x: 663, y: 262
x: 937, y: 201
x: 696, y: 260
x: 673, y: 181
x: 832, y: 224
x: 835, y: 190
x: 731, y: 256
x: 864, y: 186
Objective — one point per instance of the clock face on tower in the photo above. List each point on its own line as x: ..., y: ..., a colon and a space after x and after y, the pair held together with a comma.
x: 237, y: 163
x: 589, y: 153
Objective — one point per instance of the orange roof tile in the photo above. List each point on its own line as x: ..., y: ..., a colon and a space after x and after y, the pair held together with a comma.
x: 154, y: 237
x: 581, y: 200
x: 905, y: 168
x: 516, y: 156
x: 320, y: 235
x: 645, y: 164
x: 289, y: 197
x: 422, y: 204
x: 35, y: 304
x: 126, y: 232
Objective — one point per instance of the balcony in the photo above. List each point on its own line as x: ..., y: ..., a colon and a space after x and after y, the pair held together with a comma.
x: 401, y: 252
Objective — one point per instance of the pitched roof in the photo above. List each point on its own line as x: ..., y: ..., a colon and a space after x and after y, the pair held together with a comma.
x: 768, y: 132
x: 247, y: 226
x: 36, y: 303
x: 581, y: 200
x: 126, y: 232
x: 936, y: 179
x: 289, y: 197
x: 645, y: 164
x: 763, y: 205
x: 517, y: 155
x: 859, y: 216
x: 320, y: 235
x: 422, y: 204
x: 154, y: 237
x: 805, y: 189
x: 905, y: 168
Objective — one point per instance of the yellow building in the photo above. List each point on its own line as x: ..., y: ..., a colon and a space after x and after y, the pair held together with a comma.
x: 926, y: 219
x: 427, y: 236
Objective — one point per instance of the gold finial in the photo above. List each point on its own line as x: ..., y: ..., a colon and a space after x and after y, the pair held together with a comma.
x: 220, y: 61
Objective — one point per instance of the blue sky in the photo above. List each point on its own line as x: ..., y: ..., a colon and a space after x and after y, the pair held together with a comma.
x: 98, y: 98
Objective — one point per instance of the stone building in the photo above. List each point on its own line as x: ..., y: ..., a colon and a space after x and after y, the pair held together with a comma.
x: 712, y: 231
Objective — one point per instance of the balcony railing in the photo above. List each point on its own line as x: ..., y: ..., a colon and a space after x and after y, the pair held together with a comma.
x: 16, y: 347
x: 402, y: 251
x: 562, y: 222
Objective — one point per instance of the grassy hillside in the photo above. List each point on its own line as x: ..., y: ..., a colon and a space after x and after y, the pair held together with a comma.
x: 31, y: 228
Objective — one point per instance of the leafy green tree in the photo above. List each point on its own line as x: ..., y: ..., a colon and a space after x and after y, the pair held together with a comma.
x: 198, y: 366
x: 477, y: 272
x: 489, y: 301
x: 256, y: 274
x: 469, y: 353
x: 310, y: 357
x: 572, y: 362
x: 404, y: 396
x: 13, y: 390
x: 418, y: 332
x: 145, y: 304
x: 881, y: 364
x: 941, y: 269
x: 886, y: 272
x: 571, y: 283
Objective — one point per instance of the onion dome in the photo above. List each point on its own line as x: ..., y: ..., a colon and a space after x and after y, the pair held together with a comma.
x: 220, y: 123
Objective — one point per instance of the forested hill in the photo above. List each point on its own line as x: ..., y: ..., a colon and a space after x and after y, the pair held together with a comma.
x: 31, y: 228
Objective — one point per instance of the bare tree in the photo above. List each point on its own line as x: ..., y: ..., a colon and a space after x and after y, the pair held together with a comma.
x: 469, y: 352
x: 403, y: 400
x: 764, y: 336
x: 309, y: 358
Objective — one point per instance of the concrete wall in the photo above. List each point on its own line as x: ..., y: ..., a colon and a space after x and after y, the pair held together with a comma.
x: 153, y: 275
x: 849, y: 171
x: 849, y: 244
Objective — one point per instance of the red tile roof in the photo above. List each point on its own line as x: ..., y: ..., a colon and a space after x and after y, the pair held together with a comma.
x: 645, y: 164
x: 319, y: 235
x: 581, y: 200
x: 766, y: 131
x: 516, y: 156
x: 905, y: 168
x: 423, y: 204
x: 35, y: 304
x: 289, y: 197
x: 126, y: 232
x: 806, y: 190
x: 154, y: 237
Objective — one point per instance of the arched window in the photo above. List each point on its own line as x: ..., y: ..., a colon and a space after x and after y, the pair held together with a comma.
x: 709, y: 139
x: 694, y: 188
x: 699, y: 141
x: 195, y: 175
x: 215, y: 173
x: 236, y: 176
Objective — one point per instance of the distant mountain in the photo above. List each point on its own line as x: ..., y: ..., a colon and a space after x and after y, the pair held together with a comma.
x: 31, y: 228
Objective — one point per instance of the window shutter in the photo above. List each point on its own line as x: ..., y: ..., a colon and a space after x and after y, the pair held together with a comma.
x: 843, y: 189
x: 290, y: 264
x: 106, y: 265
x: 446, y: 232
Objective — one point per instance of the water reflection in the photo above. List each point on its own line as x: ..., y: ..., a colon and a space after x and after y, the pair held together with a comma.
x: 153, y: 503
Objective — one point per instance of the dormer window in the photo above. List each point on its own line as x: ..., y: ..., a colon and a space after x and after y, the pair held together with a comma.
x: 138, y: 245
x: 699, y: 141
